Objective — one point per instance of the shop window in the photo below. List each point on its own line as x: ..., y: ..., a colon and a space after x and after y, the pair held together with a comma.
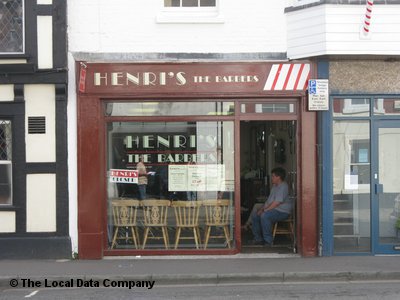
x: 351, y: 186
x: 11, y: 26
x: 171, y: 161
x: 359, y: 161
x: 259, y: 108
x: 356, y: 106
x: 387, y: 106
x: 5, y: 162
x: 351, y: 107
x: 201, y: 108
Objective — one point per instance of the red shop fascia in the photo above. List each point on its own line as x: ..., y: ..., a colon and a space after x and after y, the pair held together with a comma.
x: 98, y: 82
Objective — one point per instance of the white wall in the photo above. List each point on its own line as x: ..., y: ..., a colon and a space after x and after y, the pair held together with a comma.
x: 41, y: 101
x: 335, y: 29
x: 6, y: 92
x: 41, y: 203
x: 7, y: 221
x: 45, y: 42
x: 72, y: 156
x: 131, y: 26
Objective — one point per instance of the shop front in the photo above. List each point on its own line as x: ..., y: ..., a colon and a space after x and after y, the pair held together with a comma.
x: 171, y: 156
x: 362, y: 137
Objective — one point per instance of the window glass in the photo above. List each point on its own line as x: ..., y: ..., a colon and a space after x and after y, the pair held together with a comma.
x: 176, y: 162
x: 351, y: 186
x: 172, y: 3
x: 287, y: 108
x: 351, y: 107
x: 11, y: 26
x: 5, y: 162
x: 189, y: 3
x: 169, y: 108
x: 389, y: 179
x: 387, y: 106
x: 207, y: 2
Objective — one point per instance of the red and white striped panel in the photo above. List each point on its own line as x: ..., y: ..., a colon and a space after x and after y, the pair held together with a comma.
x: 287, y: 77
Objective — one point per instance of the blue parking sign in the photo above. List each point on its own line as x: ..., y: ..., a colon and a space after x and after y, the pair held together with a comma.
x: 312, y: 86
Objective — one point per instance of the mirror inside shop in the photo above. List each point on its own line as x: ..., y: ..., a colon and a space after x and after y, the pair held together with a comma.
x: 171, y: 184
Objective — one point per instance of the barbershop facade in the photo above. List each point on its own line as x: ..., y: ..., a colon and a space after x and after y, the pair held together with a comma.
x: 206, y: 133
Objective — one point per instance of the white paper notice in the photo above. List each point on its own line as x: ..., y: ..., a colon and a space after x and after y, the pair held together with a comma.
x: 196, y: 178
x: 177, y: 178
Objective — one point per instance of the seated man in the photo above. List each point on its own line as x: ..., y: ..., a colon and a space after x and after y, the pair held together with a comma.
x: 278, y: 207
x: 256, y: 206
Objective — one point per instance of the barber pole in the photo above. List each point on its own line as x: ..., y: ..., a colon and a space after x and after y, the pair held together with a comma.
x: 367, y: 18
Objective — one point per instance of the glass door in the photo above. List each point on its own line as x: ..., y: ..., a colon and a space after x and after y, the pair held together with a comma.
x: 386, y: 188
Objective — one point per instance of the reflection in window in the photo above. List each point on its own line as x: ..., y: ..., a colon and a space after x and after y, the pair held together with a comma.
x: 387, y: 106
x: 169, y: 108
x: 275, y: 107
x: 351, y: 186
x: 278, y: 107
x: 360, y: 160
x: 183, y: 161
x: 5, y: 162
x: 11, y: 26
x: 351, y: 107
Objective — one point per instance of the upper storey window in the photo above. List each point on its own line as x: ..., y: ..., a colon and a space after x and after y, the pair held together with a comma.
x: 190, y: 11
x: 189, y: 3
x: 11, y: 26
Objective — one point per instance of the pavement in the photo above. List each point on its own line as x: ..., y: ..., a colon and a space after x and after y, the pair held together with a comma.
x: 225, y: 269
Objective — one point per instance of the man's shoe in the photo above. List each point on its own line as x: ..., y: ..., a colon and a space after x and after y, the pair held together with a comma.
x: 246, y: 227
x: 267, y: 245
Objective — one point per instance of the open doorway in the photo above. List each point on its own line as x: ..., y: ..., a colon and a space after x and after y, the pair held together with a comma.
x: 265, y: 145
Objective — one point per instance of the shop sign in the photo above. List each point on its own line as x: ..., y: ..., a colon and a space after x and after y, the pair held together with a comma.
x: 123, y: 176
x: 318, y: 94
x: 204, y: 77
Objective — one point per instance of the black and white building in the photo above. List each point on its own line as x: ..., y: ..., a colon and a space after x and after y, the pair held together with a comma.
x: 34, y: 219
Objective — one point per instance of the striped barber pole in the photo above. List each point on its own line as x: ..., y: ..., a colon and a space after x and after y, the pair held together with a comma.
x: 367, y: 18
x: 288, y: 77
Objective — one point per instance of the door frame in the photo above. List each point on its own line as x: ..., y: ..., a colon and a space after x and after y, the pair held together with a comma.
x: 270, y: 118
x: 376, y: 246
x: 307, y: 225
x: 325, y: 138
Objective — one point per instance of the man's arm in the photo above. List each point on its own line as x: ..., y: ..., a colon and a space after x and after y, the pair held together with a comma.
x: 271, y: 206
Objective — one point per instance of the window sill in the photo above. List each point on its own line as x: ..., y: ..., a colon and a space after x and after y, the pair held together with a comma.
x: 185, y: 18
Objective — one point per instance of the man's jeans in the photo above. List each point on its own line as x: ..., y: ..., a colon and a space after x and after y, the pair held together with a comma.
x: 262, y: 225
x: 142, y: 191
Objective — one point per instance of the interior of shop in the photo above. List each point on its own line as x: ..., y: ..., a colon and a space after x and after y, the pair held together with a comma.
x: 265, y: 145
